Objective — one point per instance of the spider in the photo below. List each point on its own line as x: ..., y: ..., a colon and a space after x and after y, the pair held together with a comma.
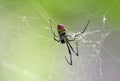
x: 64, y: 39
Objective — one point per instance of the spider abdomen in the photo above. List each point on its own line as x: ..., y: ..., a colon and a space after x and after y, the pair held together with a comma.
x: 62, y: 41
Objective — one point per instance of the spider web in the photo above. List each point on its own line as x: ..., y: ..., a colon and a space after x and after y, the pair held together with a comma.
x: 90, y: 65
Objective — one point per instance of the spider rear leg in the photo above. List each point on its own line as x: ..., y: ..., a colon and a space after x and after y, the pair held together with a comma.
x: 77, y: 48
x: 73, y: 49
x: 70, y: 63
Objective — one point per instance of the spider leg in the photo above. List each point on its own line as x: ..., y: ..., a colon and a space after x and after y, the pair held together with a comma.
x: 86, y: 26
x: 73, y: 49
x: 71, y: 39
x: 54, y: 32
x: 77, y: 47
x: 84, y: 29
x: 70, y: 63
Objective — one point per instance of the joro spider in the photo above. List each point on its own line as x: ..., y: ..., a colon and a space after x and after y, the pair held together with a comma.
x: 63, y: 39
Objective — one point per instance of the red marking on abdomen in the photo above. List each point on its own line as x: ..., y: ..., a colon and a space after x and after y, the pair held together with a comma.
x: 60, y: 27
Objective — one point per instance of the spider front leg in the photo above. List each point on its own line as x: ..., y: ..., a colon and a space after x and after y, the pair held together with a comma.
x: 54, y: 33
x: 83, y: 29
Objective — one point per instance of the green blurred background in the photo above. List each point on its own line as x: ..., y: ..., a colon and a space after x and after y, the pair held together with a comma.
x: 27, y: 49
